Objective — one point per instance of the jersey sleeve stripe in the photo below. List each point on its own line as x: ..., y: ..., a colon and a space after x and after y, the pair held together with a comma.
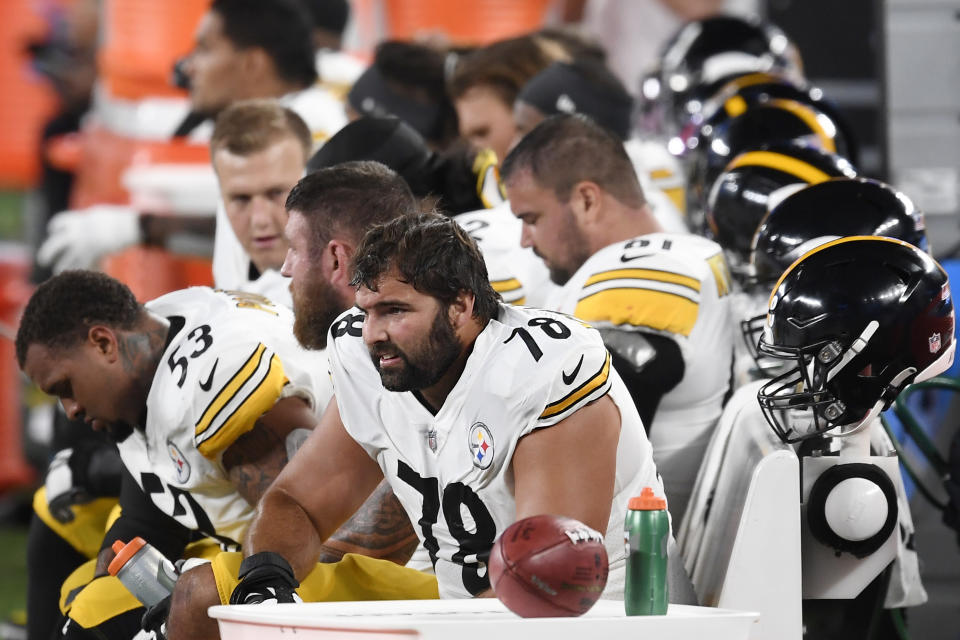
x: 229, y: 390
x: 677, y: 197
x: 505, y: 286
x: 595, y: 381
x: 657, y: 310
x: 510, y: 289
x: 656, y: 275
x: 244, y: 414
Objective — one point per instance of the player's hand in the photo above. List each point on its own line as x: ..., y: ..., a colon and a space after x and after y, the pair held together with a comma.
x: 64, y: 483
x: 78, y: 239
x: 79, y: 474
x: 155, y: 618
x: 265, y: 577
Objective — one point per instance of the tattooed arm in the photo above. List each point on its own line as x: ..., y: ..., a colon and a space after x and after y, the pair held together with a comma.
x: 380, y: 527
x: 255, y: 459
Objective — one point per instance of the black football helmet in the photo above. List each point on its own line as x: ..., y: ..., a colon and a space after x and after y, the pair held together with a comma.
x: 750, y: 184
x: 743, y: 92
x: 704, y: 54
x: 819, y: 213
x: 772, y: 121
x: 861, y: 318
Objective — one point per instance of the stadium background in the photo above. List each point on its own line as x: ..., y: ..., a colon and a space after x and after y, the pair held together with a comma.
x: 866, y: 54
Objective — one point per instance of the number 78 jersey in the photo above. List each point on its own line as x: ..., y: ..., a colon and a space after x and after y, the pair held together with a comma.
x: 452, y: 471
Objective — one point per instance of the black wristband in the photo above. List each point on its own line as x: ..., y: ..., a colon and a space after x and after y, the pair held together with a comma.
x: 266, y: 559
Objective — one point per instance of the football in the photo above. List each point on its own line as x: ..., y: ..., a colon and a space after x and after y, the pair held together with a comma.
x: 548, y: 566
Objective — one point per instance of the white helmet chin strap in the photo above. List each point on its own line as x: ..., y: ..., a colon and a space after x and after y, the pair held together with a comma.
x: 858, y: 345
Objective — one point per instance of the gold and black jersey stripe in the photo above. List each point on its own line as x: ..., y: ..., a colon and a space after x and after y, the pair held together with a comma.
x: 596, y: 386
x: 510, y: 289
x: 651, y: 298
x: 234, y: 409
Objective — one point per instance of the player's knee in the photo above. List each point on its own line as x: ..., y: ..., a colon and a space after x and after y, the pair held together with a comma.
x: 195, y: 592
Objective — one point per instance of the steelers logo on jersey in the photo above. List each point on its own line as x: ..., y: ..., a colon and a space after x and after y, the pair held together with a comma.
x: 179, y: 462
x: 481, y: 445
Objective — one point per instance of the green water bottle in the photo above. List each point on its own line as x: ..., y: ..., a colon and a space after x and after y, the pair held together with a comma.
x: 646, y: 532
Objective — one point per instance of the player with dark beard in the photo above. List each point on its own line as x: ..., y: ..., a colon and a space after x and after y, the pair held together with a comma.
x: 329, y: 211
x: 456, y: 399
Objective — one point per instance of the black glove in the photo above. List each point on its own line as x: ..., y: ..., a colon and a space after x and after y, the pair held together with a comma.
x: 155, y: 618
x: 79, y: 474
x: 265, y: 577
x: 65, y: 482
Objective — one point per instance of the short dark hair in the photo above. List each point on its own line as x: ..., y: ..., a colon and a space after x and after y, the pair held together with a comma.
x: 566, y: 149
x: 433, y: 254
x: 504, y: 66
x: 329, y: 15
x: 62, y: 310
x: 282, y: 28
x: 349, y: 198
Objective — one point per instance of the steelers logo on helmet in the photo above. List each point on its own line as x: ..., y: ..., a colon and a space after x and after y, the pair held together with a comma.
x: 748, y: 186
x: 854, y: 318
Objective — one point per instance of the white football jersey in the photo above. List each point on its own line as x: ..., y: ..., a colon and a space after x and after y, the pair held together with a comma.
x: 658, y: 168
x: 230, y: 356
x: 529, y: 369
x: 517, y: 274
x: 675, y: 285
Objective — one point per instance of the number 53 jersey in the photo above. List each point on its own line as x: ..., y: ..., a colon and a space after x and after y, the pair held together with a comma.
x: 529, y: 369
x: 229, y: 357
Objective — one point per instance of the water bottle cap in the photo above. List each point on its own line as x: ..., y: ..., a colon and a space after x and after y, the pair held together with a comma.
x: 647, y: 501
x: 124, y: 552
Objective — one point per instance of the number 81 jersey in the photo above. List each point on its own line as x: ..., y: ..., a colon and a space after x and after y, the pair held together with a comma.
x: 528, y: 369
x: 229, y: 357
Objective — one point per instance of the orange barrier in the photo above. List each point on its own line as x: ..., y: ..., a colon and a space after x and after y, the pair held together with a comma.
x: 142, y: 40
x: 149, y: 272
x: 152, y: 272
x: 14, y: 293
x: 475, y: 22
x: 105, y: 155
x: 27, y: 99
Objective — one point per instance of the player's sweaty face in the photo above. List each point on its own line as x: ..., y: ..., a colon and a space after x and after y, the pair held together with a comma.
x: 549, y: 226
x: 216, y: 78
x: 80, y: 384
x: 254, y: 188
x: 409, y: 335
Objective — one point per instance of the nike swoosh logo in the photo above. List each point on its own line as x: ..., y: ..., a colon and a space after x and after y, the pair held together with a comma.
x: 568, y: 379
x: 624, y: 258
x: 209, y: 381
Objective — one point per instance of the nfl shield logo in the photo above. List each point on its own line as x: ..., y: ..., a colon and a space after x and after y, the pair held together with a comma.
x: 934, y: 342
x: 481, y: 445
